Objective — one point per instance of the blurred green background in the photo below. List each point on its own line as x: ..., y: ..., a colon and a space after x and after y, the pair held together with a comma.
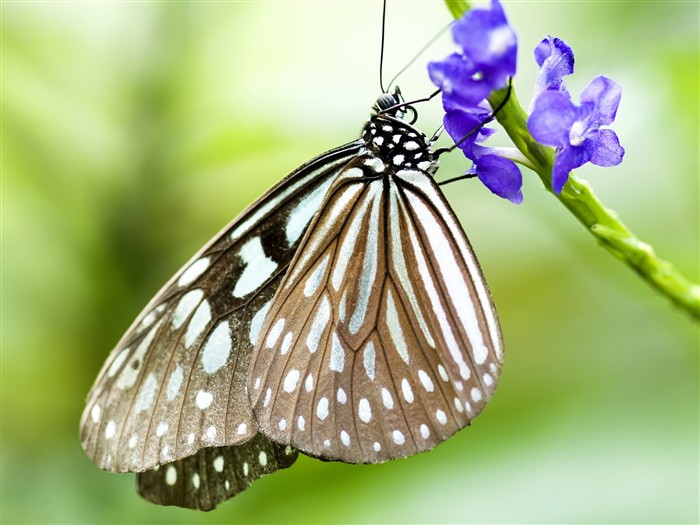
x: 132, y: 131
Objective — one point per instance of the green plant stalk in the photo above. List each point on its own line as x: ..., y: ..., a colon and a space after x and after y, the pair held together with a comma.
x: 577, y: 196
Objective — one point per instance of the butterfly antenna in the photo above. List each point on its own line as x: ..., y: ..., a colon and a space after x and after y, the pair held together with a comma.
x: 381, y: 52
x: 420, y: 52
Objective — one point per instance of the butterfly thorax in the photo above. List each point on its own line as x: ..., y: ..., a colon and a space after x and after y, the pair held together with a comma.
x: 398, y: 144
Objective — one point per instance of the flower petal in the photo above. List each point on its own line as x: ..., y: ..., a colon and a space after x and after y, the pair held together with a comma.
x: 486, y: 38
x: 605, y: 149
x: 552, y: 118
x: 567, y: 160
x: 600, y: 98
x: 457, y: 76
x: 458, y: 125
x: 501, y: 176
x: 556, y: 60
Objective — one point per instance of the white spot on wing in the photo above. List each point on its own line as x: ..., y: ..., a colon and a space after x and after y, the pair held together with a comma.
x: 301, y: 215
x: 185, y: 307
x: 174, y: 383
x: 286, y: 343
x: 394, y: 326
x: 350, y: 240
x: 203, y: 399
x: 262, y: 458
x: 364, y: 411
x: 274, y: 333
x: 342, y: 396
x: 196, y: 269
x: 426, y: 381
x: 407, y: 391
x: 118, y: 362
x: 198, y: 323
x: 441, y: 416
x: 257, y: 321
x: 369, y: 265
x: 110, y: 430
x: 150, y: 317
x: 387, y: 399
x: 242, y: 429
x: 290, y: 382
x: 146, y: 394
x: 195, y: 480
x: 368, y: 360
x: 218, y: 463
x: 170, y: 475
x: 217, y: 348
x: 424, y: 431
x: 443, y: 373
x: 318, y: 326
x: 258, y: 268
x: 162, y: 428
x: 398, y: 437
x: 342, y: 308
x: 476, y: 395
x: 322, y: 408
x: 345, y: 438
x: 309, y: 383
x: 95, y: 413
x: 337, y: 354
x: 314, y: 280
x: 301, y: 423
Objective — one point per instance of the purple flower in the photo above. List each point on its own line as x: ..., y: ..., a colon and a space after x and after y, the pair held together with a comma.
x: 556, y: 60
x: 500, y: 175
x: 487, y: 58
x: 575, y: 130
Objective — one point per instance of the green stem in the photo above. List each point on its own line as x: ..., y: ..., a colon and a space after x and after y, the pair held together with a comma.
x: 604, y: 224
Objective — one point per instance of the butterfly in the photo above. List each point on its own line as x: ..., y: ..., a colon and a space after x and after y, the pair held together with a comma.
x: 343, y: 315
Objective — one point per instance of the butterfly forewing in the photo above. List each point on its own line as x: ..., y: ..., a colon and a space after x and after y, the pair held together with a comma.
x: 213, y: 475
x: 381, y: 340
x: 175, y: 383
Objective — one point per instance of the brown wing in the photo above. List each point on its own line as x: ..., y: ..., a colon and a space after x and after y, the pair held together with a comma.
x: 382, y: 340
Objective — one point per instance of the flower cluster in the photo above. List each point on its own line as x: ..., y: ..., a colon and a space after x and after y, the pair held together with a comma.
x: 486, y: 60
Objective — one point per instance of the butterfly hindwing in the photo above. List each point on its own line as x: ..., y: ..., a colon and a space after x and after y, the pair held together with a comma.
x: 175, y: 383
x: 381, y: 340
x: 213, y: 475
